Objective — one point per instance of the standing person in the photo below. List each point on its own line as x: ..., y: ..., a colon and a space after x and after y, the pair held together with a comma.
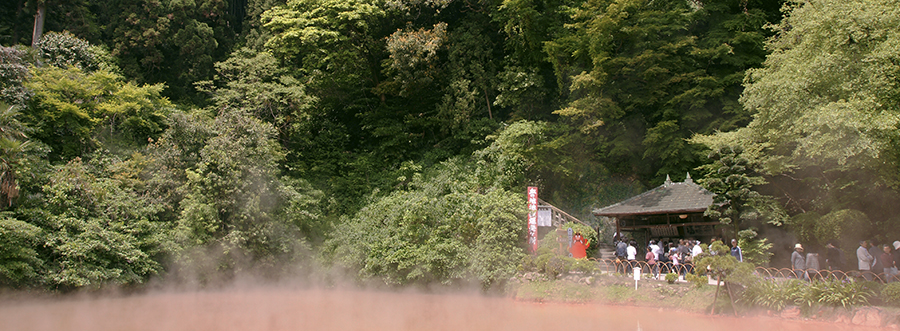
x: 834, y: 257
x: 812, y: 265
x: 662, y: 261
x: 631, y: 255
x: 656, y: 249
x: 684, y: 256
x: 865, y: 260
x: 875, y: 251
x: 798, y: 263
x: 621, y: 251
x: 675, y: 256
x: 887, y: 263
x: 651, y: 261
x: 736, y: 251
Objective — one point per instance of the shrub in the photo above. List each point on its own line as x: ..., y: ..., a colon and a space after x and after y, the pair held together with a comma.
x: 771, y: 293
x: 775, y: 294
x: 671, y: 277
x: 845, y: 294
x: 891, y: 293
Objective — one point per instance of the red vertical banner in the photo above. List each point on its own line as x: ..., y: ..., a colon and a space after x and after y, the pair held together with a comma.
x: 532, y: 218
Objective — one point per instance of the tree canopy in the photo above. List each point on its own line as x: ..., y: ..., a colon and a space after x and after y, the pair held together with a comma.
x: 197, y: 140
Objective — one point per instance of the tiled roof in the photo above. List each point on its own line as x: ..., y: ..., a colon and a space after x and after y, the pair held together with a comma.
x: 669, y: 197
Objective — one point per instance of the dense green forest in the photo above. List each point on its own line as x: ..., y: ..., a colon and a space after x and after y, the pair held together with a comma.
x: 193, y: 141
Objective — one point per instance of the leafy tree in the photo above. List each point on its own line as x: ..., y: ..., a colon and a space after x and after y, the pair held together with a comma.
x: 844, y: 226
x: 643, y: 76
x: 825, y: 108
x: 755, y: 250
x: 444, y: 228
x: 12, y: 145
x: 94, y: 229
x: 170, y: 42
x: 13, y: 73
x: 63, y: 49
x: 718, y: 263
x: 256, y: 82
x: 730, y: 177
x: 75, y: 112
x: 235, y: 201
x: 21, y: 265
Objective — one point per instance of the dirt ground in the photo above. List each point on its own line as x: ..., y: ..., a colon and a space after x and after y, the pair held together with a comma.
x: 296, y: 308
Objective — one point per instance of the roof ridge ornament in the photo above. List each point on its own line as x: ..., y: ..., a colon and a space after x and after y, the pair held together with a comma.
x: 688, y: 178
x: 668, y: 181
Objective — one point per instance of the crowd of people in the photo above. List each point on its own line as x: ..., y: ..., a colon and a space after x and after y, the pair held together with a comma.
x: 875, y: 262
x: 664, y: 256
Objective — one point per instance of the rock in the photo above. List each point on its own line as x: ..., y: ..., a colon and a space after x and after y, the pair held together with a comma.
x: 790, y: 312
x: 868, y: 316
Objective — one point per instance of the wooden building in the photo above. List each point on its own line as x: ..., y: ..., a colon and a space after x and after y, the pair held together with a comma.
x: 671, y: 210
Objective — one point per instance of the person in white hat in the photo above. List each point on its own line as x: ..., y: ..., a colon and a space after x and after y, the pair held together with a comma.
x: 798, y: 263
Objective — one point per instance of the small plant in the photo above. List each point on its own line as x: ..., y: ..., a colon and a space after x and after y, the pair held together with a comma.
x: 772, y: 294
x: 846, y: 294
x: 891, y: 293
x: 671, y: 277
x: 667, y: 291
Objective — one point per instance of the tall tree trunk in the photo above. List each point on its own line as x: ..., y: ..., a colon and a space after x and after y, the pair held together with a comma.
x: 488, y: 102
x: 38, y: 24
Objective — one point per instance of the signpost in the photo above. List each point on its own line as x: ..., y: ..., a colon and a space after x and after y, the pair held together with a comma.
x: 637, y: 277
x: 532, y: 218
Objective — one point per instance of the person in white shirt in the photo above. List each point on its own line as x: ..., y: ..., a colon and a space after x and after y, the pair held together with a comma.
x: 696, y: 250
x: 656, y: 249
x: 631, y: 255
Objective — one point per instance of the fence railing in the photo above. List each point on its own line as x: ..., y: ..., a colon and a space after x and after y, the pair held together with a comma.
x: 622, y: 266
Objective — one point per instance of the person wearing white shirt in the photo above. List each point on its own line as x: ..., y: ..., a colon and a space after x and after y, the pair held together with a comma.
x: 631, y: 255
x: 656, y: 250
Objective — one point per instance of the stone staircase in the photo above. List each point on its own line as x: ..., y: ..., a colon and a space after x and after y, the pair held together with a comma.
x: 606, y: 251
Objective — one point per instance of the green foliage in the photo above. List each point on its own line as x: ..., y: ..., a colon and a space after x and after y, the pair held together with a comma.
x: 891, y: 293
x: 736, y: 203
x: 13, y: 144
x: 172, y: 42
x: 258, y: 83
x: 95, y: 230
x: 76, y: 112
x: 20, y: 264
x: 845, y: 226
x: 321, y: 35
x: 13, y: 73
x: 756, y: 250
x: 513, y: 152
x: 443, y: 228
x: 643, y: 76
x: 716, y: 262
x: 831, y: 137
x: 63, y: 49
x: 235, y: 199
x: 671, y: 277
x: 836, y: 293
x: 775, y: 294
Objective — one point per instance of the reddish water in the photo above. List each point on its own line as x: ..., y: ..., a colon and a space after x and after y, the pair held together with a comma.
x: 304, y: 309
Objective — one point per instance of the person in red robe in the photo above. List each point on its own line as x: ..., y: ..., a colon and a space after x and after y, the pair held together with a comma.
x: 579, y: 246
